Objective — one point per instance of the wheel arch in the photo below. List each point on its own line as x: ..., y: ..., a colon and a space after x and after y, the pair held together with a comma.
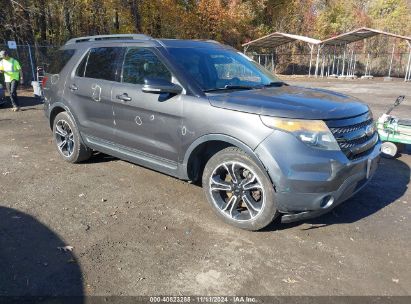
x: 203, y: 148
x: 57, y: 108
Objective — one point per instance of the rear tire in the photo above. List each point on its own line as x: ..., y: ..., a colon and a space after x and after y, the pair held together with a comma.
x: 239, y: 190
x: 67, y: 139
x: 389, y: 149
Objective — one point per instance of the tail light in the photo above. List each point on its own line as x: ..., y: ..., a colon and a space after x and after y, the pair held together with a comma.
x: 43, y: 81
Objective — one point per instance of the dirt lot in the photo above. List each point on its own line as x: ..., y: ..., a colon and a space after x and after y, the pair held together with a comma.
x: 138, y: 232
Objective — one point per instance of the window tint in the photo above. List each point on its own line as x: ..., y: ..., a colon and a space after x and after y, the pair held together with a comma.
x: 102, y: 63
x: 141, y: 63
x: 82, y: 66
x: 58, y: 61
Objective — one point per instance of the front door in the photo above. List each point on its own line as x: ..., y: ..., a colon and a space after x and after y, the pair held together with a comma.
x: 148, y: 123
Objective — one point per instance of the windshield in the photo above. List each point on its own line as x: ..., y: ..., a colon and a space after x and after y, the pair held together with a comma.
x: 222, y: 69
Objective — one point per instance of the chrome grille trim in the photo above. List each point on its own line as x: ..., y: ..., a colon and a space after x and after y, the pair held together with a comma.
x: 352, y: 136
x: 349, y: 129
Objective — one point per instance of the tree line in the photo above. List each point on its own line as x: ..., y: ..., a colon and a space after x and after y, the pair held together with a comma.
x: 52, y: 22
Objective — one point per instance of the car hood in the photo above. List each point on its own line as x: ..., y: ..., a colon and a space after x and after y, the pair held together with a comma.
x: 291, y: 102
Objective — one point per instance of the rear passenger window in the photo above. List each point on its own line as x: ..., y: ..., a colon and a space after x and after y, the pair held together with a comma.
x: 58, y: 61
x: 102, y: 63
x: 141, y: 63
x: 82, y: 66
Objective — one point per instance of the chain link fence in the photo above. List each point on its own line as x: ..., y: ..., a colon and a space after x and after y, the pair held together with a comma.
x: 30, y: 57
x: 360, y: 64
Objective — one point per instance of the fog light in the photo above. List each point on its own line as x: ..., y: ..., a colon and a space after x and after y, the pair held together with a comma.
x: 327, y: 201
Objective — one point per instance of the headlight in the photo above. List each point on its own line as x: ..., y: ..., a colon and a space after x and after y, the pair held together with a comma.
x: 313, y: 133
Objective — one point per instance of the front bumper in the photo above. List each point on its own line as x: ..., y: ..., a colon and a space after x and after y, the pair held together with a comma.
x: 310, y: 182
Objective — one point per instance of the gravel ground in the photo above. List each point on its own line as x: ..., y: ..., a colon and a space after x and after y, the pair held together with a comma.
x: 108, y: 227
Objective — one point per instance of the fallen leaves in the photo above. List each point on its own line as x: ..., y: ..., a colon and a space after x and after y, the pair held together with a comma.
x: 289, y: 281
x: 66, y: 248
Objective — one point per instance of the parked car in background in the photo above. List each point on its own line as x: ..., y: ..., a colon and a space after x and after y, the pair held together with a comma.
x: 202, y: 111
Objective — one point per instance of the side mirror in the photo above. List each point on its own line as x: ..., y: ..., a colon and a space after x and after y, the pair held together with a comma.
x: 159, y: 85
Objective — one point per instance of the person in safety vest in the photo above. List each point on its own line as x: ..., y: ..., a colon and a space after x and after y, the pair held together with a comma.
x: 12, y: 76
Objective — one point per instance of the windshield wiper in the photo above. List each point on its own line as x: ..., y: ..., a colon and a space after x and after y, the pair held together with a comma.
x: 244, y: 87
x: 230, y: 87
x: 276, y: 84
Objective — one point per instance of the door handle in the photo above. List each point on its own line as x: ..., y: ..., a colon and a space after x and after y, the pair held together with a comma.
x: 124, y: 97
x: 73, y: 87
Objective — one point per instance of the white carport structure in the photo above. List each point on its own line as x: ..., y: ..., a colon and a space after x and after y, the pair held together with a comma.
x: 358, y: 35
x: 274, y: 40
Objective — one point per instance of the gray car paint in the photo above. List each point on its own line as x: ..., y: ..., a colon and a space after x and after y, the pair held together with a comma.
x: 291, y: 102
x: 305, y: 176
x: 163, y: 135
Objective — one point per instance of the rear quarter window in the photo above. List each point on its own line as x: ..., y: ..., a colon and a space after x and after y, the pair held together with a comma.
x: 59, y: 60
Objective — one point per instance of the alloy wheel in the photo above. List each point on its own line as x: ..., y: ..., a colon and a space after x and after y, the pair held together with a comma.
x: 64, y: 138
x: 237, y: 191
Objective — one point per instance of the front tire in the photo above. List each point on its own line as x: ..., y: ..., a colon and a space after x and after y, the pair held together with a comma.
x: 238, y: 190
x: 67, y: 139
x: 389, y: 149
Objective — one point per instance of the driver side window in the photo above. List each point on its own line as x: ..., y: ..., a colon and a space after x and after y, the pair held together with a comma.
x: 140, y: 63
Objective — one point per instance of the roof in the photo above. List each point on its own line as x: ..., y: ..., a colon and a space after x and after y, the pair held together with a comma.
x: 125, y: 38
x: 185, y: 43
x: 359, y: 34
x: 277, y: 39
x: 109, y: 37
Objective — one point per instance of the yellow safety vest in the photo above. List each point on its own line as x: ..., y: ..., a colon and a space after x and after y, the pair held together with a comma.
x: 11, y: 69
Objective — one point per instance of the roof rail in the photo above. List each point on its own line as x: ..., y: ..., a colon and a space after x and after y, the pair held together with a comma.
x: 109, y: 37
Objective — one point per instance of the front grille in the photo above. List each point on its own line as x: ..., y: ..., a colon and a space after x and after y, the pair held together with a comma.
x: 356, y: 136
x: 348, y: 144
x: 349, y: 129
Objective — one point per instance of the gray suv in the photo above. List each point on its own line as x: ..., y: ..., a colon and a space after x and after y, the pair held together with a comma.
x: 202, y: 111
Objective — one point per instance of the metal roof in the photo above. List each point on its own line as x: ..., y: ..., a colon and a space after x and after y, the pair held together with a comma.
x: 276, y: 39
x: 359, y: 34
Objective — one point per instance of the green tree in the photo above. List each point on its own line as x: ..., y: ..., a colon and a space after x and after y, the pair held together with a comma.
x: 336, y: 17
x: 391, y: 15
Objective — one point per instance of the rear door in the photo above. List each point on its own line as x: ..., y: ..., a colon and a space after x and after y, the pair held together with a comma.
x: 145, y: 122
x: 89, y: 92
